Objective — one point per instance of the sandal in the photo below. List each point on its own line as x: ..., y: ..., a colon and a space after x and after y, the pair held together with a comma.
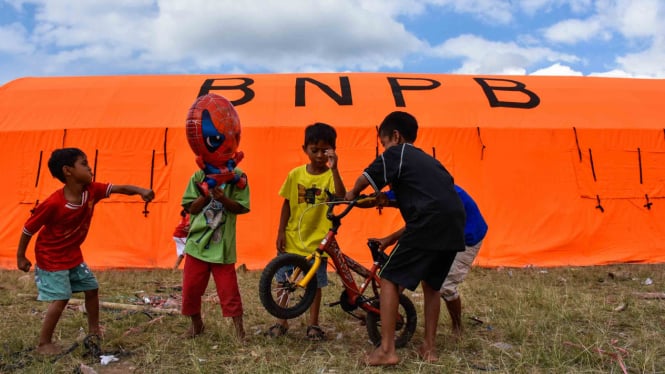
x: 315, y: 333
x: 276, y: 330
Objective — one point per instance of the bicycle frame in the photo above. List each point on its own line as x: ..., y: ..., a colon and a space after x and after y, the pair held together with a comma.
x: 344, y: 265
x: 300, y: 285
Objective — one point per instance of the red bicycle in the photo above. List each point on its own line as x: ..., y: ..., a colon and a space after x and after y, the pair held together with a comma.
x: 288, y: 283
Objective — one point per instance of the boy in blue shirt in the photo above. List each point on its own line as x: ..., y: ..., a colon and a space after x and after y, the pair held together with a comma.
x: 475, y: 230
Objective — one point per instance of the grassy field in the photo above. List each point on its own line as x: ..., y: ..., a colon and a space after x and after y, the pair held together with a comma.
x: 563, y: 320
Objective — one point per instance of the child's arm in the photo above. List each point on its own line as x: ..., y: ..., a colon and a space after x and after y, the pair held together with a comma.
x: 358, y: 187
x: 146, y: 194
x: 390, y: 239
x: 340, y: 190
x: 228, y: 203
x: 196, y: 206
x: 22, y: 262
x: 281, y: 231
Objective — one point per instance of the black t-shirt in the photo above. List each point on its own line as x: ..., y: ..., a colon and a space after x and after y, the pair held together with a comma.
x: 426, y: 197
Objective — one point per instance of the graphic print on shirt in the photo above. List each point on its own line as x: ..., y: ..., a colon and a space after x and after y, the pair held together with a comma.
x: 308, y: 195
x: 83, y: 213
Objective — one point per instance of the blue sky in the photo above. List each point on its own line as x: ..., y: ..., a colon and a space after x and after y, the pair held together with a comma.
x: 618, y: 38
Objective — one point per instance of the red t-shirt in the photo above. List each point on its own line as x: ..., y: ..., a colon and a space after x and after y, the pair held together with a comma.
x: 182, y: 229
x: 63, y: 226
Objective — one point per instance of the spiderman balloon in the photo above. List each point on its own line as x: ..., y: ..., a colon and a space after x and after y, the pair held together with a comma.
x: 213, y: 133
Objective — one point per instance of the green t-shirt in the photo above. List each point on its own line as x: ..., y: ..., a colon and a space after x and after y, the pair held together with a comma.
x: 307, y: 224
x: 206, y: 241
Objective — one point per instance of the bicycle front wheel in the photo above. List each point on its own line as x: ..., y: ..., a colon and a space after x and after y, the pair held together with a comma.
x: 278, y: 289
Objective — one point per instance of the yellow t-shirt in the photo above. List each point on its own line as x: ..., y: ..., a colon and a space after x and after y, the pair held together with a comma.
x: 307, y: 223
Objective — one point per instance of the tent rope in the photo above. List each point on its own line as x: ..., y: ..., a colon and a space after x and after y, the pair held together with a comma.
x: 94, y: 166
x: 639, y: 162
x: 152, y: 174
x: 599, y: 207
x: 649, y: 203
x: 166, y: 132
x: 376, y: 149
x: 39, y: 167
x: 593, y: 168
x: 577, y: 143
x: 482, y: 149
x: 39, y: 170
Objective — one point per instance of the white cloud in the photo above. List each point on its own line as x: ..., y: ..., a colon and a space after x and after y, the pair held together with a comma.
x: 647, y: 63
x: 227, y: 36
x: 14, y: 40
x: 628, y: 18
x: 488, y: 57
x: 576, y: 6
x: 616, y: 73
x: 488, y: 11
x: 284, y: 35
x: 485, y: 10
x: 640, y: 18
x: 557, y: 70
x: 573, y: 31
x: 197, y: 34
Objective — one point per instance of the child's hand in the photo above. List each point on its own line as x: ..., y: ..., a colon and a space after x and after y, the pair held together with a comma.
x: 147, y: 195
x: 349, y: 196
x: 332, y: 158
x: 281, y: 243
x: 23, y: 264
x: 217, y: 193
x: 385, y: 242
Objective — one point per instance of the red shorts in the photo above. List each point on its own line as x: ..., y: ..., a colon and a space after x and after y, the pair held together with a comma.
x: 196, y: 275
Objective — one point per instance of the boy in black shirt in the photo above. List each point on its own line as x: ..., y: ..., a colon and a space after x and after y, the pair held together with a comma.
x: 433, y: 234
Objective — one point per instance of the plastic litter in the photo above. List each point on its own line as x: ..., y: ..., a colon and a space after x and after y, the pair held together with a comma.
x: 105, y: 360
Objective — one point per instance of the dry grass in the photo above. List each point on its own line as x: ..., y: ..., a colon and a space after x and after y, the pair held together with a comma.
x: 563, y: 320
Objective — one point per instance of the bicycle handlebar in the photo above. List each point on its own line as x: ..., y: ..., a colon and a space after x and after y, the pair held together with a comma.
x: 337, y: 201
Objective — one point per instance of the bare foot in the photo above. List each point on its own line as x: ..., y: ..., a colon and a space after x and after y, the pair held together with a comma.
x: 240, y: 330
x: 194, y: 331
x: 427, y: 354
x: 378, y: 357
x: 49, y: 349
x: 99, y: 331
x: 457, y: 335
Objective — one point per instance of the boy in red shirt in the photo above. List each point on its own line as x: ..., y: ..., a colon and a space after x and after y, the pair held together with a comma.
x: 64, y: 219
x: 180, y: 237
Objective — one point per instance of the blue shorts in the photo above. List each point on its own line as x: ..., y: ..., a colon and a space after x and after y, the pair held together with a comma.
x: 59, y: 285
x: 321, y: 273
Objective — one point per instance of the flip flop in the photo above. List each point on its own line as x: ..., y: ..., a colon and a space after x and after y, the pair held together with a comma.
x: 276, y: 330
x: 315, y: 333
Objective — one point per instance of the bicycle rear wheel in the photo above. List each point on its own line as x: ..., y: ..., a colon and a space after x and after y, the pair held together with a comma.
x: 278, y: 289
x: 407, y: 319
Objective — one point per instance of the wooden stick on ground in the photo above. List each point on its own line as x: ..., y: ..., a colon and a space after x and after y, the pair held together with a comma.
x: 650, y: 295
x: 105, y: 304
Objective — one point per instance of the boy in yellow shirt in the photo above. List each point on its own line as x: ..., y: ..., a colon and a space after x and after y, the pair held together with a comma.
x: 303, y: 222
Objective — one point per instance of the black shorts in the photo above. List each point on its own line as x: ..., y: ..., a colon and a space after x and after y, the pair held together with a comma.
x: 406, y: 267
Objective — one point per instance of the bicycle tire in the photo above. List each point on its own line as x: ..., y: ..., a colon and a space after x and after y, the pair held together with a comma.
x: 285, y: 300
x: 404, y: 331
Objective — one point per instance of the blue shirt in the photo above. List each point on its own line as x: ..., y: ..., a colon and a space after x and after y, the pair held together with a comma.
x: 433, y: 212
x: 475, y: 226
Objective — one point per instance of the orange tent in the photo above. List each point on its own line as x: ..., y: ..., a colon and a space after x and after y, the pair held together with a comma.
x: 567, y: 170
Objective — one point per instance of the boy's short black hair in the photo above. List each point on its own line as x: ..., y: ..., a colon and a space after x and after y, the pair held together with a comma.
x: 320, y: 132
x: 63, y: 157
x: 403, y: 122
